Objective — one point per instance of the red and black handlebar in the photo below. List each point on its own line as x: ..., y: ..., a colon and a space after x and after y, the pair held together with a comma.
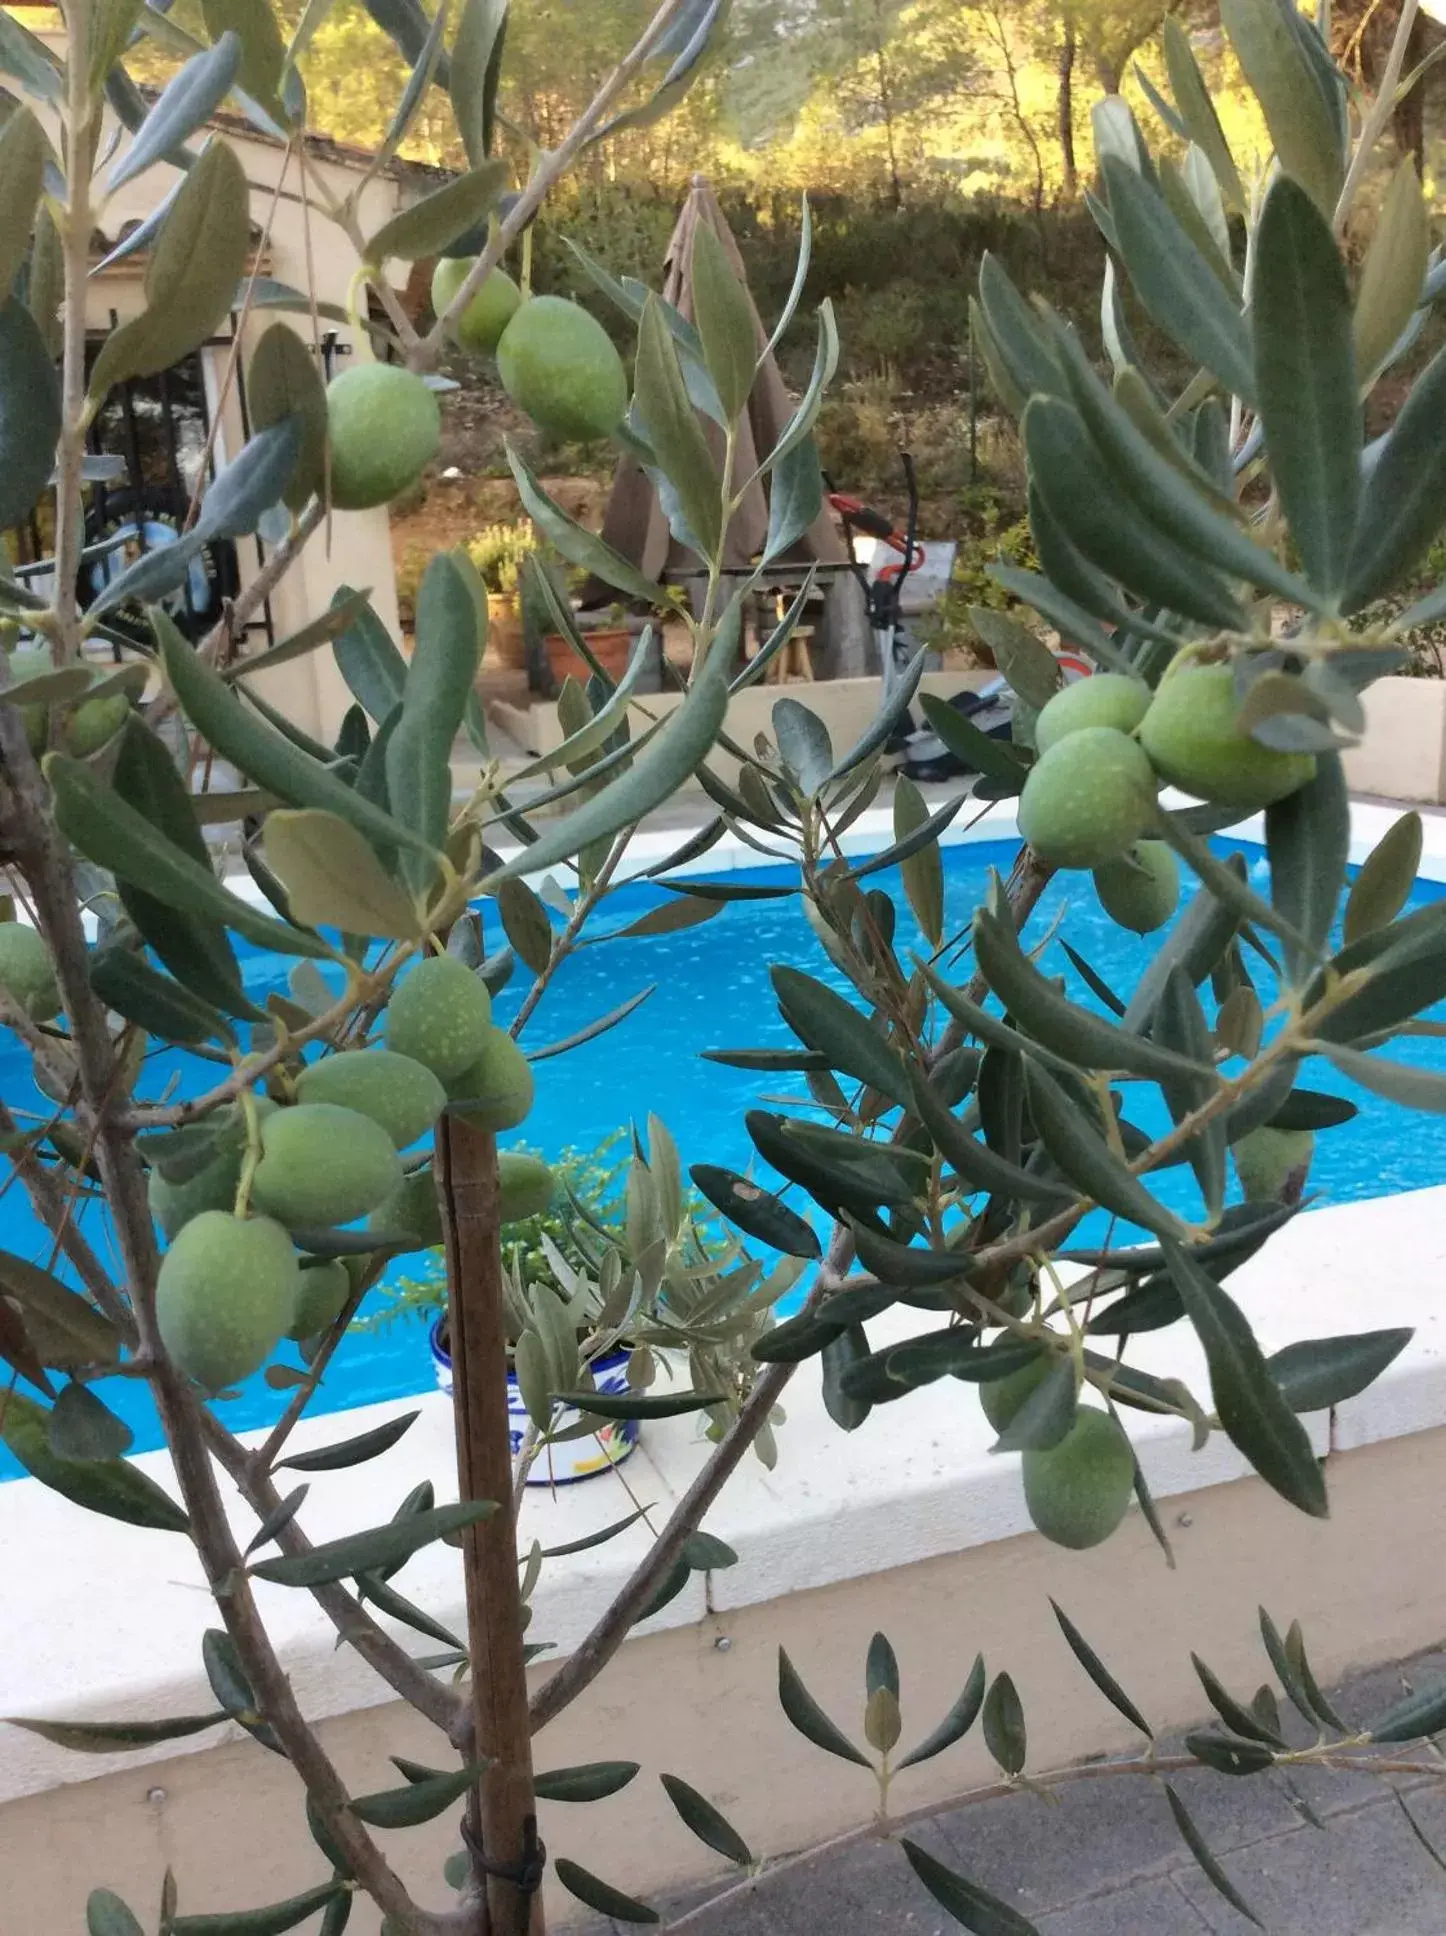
x: 858, y: 516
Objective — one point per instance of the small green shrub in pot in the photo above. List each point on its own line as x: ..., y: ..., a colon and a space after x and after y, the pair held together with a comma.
x: 498, y: 551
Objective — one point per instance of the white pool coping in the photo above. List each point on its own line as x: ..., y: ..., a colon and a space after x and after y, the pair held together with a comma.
x: 874, y: 830
x: 104, y: 1621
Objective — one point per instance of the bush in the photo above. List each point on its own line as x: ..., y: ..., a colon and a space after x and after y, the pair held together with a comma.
x: 498, y: 551
x: 593, y: 1177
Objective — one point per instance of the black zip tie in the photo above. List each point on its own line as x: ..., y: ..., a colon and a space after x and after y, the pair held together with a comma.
x: 526, y: 1874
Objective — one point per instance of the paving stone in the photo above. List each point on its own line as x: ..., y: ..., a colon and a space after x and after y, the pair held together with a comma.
x: 870, y: 1891
x: 1330, y: 1791
x: 1105, y: 1858
x: 1364, y: 1876
x: 1231, y: 1811
x: 1155, y: 1908
x: 740, y: 1915
x: 1040, y: 1855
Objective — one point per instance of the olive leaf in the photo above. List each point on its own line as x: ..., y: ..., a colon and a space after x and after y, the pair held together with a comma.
x: 670, y: 422
x: 590, y: 1782
x: 1403, y: 505
x: 29, y: 412
x: 1253, y: 1411
x: 957, y: 1722
x: 285, y: 378
x: 186, y: 103
x: 64, y: 1328
x: 1004, y: 1731
x: 1305, y: 125
x: 349, y: 1452
x: 1022, y: 344
x: 107, y: 1915
x: 1197, y: 111
x: 711, y: 1827
x: 1165, y: 490
x: 416, y: 1801
x: 430, y: 224
x: 380, y: 1548
x: 263, y: 51
x: 823, y: 1020
x: 1110, y: 528
x: 262, y: 752
x: 1393, y: 271
x: 1307, y: 836
x: 578, y: 545
x: 1087, y: 1159
x: 434, y: 697
x: 346, y: 608
x: 333, y: 878
x: 103, y: 827
x: 970, y: 1905
x: 600, y: 1895
x: 1383, y: 886
x: 23, y: 154
x: 113, y: 1487
x: 756, y: 1211
x: 1175, y: 284
x: 923, y: 870
x: 809, y: 1718
x: 114, y: 1737
x: 1320, y: 1372
x: 1200, y: 1849
x: 26, y: 57
x: 475, y: 71
x: 676, y: 752
x: 1399, y: 1082
x: 369, y: 660
x: 1418, y: 1716
x: 1306, y: 374
x: 725, y: 322
x: 195, y: 263
x: 1103, y: 1679
x: 1077, y: 1035
x: 273, y: 1920
x: 1179, y: 1023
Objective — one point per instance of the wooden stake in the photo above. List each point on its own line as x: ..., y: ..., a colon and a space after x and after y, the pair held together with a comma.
x: 502, y: 1809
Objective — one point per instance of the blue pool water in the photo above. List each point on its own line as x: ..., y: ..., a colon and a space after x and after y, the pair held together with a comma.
x: 712, y: 991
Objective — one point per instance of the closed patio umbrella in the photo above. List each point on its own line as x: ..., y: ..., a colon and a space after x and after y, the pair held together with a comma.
x: 634, y: 523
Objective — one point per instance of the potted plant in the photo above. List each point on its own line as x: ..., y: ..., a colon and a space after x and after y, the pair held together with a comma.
x: 497, y: 551
x: 618, y: 1286
x: 610, y: 642
x: 553, y: 631
x: 562, y: 1335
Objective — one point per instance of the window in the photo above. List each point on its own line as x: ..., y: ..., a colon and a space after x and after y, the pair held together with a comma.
x: 156, y: 426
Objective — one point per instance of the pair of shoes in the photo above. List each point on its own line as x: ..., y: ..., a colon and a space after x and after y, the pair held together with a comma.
x: 923, y: 756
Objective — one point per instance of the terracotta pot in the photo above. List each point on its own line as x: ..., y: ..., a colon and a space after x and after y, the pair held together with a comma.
x: 506, y: 650
x: 611, y: 646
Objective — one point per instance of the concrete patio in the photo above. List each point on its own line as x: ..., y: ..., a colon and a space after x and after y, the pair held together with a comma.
x: 1104, y: 1859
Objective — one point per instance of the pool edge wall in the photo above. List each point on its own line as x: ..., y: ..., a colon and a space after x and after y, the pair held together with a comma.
x: 1402, y: 754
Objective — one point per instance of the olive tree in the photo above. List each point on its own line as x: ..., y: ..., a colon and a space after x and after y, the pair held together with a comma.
x: 1216, y: 546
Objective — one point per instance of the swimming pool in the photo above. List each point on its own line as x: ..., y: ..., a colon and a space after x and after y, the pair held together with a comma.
x: 713, y: 992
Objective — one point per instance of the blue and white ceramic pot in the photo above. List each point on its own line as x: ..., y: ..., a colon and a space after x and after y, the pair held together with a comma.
x: 580, y: 1458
